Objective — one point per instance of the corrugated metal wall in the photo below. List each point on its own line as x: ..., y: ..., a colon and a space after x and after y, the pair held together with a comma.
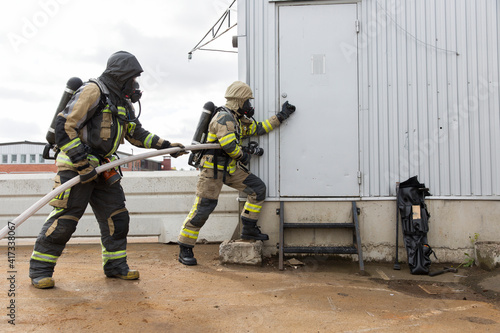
x: 257, y: 59
x: 428, y: 91
x: 429, y: 95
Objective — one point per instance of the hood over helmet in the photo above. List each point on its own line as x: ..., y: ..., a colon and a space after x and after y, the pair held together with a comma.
x: 236, y: 95
x: 121, y: 67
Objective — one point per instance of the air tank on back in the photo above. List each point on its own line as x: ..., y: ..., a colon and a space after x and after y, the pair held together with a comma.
x: 200, y: 135
x: 71, y: 86
x: 205, y: 117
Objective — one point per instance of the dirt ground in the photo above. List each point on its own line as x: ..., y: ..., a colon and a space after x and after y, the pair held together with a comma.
x: 320, y: 296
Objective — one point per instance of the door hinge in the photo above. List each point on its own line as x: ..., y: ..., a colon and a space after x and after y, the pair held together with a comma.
x: 357, y: 26
x: 360, y: 176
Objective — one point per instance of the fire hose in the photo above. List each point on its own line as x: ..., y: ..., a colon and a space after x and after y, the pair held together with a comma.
x: 75, y: 180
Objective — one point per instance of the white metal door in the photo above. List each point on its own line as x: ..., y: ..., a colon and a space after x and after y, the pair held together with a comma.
x: 319, y: 143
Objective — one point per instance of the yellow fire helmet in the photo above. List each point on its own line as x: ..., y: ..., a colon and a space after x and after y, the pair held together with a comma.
x: 236, y: 94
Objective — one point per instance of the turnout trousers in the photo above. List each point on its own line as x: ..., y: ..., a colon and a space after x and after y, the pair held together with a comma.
x: 207, y: 194
x: 108, y: 205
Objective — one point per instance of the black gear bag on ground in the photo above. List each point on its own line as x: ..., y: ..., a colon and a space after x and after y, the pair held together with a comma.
x: 415, y: 224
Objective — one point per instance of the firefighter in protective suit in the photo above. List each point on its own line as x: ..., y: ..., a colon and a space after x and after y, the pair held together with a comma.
x: 228, y: 166
x: 99, y: 116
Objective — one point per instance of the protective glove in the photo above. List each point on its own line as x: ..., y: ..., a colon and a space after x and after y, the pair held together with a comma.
x: 179, y: 153
x: 245, y: 158
x: 86, y: 171
x: 286, y: 110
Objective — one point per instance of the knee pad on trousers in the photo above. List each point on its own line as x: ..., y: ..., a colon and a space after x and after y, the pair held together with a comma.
x: 204, y: 209
x: 261, y: 192
x: 59, y: 232
x: 120, y: 227
x: 257, y: 186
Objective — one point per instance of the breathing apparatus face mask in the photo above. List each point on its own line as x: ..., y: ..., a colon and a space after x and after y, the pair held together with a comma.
x: 247, y: 109
x: 131, y: 90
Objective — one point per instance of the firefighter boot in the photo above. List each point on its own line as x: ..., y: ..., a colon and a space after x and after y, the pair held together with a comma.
x: 132, y: 274
x: 186, y: 255
x: 252, y: 231
x: 121, y: 270
x: 43, y: 282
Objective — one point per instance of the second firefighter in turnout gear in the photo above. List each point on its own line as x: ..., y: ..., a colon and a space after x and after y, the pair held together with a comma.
x: 229, y: 165
x: 96, y: 120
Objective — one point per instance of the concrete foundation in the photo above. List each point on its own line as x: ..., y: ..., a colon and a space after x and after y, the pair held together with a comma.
x: 487, y: 255
x: 451, y: 226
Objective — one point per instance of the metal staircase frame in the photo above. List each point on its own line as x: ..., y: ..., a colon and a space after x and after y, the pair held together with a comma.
x: 354, y: 225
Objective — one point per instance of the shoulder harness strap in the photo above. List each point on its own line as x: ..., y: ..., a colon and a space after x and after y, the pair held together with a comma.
x: 220, y: 153
x: 237, y: 127
x: 105, y: 96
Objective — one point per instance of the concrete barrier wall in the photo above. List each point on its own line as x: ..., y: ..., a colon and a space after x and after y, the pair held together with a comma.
x: 159, y: 201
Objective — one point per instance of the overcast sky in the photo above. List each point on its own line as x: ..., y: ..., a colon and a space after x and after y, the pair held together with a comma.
x: 45, y: 42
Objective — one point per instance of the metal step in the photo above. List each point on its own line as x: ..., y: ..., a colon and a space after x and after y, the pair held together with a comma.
x: 353, y: 226
x: 321, y: 249
x: 318, y: 225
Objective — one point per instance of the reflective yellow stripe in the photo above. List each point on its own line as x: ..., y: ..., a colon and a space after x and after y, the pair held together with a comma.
x: 54, y: 212
x: 252, y: 208
x: 193, y: 210
x: 117, y: 139
x: 253, y: 128
x: 63, y: 158
x: 211, y: 137
x: 186, y: 232
x: 225, y: 140
x: 148, y: 141
x: 114, y: 255
x: 267, y: 126
x: 231, y: 167
x: 93, y: 158
x: 62, y: 196
x: 190, y: 234
x: 235, y: 152
x: 72, y: 144
x: 122, y: 111
x: 44, y: 257
x: 106, y: 256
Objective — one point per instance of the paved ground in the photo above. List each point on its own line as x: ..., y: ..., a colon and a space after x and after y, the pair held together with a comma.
x: 319, y: 296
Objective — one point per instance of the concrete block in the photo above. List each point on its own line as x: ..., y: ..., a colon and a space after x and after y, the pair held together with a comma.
x: 487, y: 255
x: 241, y: 252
